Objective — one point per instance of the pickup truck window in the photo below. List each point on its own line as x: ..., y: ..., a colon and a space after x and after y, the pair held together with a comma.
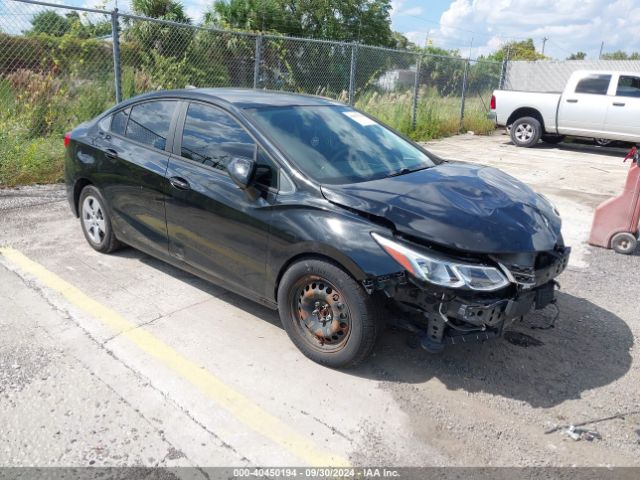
x: 594, y: 84
x: 628, y: 86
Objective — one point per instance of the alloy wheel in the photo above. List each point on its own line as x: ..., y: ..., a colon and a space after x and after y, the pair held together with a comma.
x: 524, y: 132
x: 93, y: 219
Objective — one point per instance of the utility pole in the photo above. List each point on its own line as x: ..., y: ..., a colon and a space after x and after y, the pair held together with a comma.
x: 601, y: 48
x: 544, y: 42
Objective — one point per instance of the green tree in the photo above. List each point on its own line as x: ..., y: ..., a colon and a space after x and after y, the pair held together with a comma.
x: 364, y: 21
x: 163, y: 9
x: 577, y: 56
x: 167, y: 40
x: 523, y: 50
x: 49, y: 23
x: 620, y: 55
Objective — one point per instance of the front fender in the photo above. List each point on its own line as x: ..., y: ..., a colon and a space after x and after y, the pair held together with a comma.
x: 334, y: 233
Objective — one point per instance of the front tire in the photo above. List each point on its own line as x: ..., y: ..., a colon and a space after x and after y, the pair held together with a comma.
x: 95, y: 221
x: 526, y: 131
x: 327, y: 314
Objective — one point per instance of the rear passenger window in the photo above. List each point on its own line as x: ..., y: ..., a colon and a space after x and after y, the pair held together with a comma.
x: 212, y: 137
x: 119, y: 121
x: 628, y: 86
x: 149, y: 123
x: 594, y: 84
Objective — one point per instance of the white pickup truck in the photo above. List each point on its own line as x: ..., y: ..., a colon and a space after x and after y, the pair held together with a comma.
x: 596, y: 104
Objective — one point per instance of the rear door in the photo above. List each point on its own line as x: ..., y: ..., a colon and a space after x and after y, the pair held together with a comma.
x: 213, y: 225
x: 134, y: 160
x: 583, y: 106
x: 623, y: 113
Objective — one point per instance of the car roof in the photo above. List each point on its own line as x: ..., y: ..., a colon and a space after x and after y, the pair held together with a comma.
x: 245, y: 97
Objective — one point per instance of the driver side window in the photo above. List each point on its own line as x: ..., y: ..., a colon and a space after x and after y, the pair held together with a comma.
x: 628, y: 86
x: 211, y: 137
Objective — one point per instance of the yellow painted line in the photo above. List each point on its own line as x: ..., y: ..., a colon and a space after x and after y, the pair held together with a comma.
x: 241, y: 407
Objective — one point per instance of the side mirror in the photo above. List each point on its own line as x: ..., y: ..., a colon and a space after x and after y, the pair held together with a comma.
x: 241, y: 170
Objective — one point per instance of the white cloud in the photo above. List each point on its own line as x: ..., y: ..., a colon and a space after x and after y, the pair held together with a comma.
x: 196, y: 9
x: 396, y: 5
x: 411, y: 11
x: 571, y: 25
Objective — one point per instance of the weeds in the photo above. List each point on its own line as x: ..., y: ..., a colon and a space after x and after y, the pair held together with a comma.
x: 36, y: 110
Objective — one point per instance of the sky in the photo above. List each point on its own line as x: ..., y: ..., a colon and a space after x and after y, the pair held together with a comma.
x: 482, y: 26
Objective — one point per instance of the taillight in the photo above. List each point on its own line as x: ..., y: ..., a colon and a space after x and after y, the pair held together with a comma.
x: 493, y: 102
x: 67, y: 138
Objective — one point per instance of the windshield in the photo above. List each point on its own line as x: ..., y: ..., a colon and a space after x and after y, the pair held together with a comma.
x: 337, y: 145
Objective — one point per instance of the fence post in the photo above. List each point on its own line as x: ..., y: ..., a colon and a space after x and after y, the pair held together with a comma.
x: 464, y: 91
x: 258, y: 57
x: 416, y: 84
x: 352, y: 72
x: 502, y: 72
x: 115, y: 34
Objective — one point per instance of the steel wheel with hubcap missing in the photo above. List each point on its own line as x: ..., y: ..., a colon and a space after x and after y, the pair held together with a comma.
x: 95, y: 221
x: 327, y: 314
x: 323, y: 314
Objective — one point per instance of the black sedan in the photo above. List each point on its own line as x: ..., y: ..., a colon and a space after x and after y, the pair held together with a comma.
x: 311, y: 207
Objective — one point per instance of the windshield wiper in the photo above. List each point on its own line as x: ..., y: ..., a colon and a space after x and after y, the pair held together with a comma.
x: 406, y: 170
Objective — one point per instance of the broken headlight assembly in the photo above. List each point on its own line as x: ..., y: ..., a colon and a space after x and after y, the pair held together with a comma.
x: 440, y: 270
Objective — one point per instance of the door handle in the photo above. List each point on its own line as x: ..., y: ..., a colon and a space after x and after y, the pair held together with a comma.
x: 179, y: 183
x: 572, y: 100
x: 111, y: 153
x: 618, y: 104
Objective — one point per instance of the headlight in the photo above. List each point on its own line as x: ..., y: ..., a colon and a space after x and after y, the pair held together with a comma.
x: 439, y: 270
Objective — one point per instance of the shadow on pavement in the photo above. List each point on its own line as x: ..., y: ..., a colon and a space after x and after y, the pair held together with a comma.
x: 589, y: 347
x: 212, y: 289
x: 610, y: 151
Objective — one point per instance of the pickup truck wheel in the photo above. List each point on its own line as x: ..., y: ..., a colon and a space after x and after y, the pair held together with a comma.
x: 526, y: 131
x: 552, y: 139
x: 327, y: 314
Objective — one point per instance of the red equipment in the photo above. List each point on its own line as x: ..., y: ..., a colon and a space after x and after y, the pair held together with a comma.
x: 615, y: 223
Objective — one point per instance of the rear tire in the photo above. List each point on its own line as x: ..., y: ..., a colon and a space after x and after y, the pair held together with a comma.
x: 624, y: 243
x: 525, y: 132
x: 327, y: 314
x: 552, y: 139
x: 95, y: 221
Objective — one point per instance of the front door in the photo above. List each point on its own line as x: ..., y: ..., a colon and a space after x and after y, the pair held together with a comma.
x: 213, y: 225
x: 623, y: 114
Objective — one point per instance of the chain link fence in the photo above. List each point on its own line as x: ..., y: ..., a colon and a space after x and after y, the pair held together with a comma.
x: 62, y: 65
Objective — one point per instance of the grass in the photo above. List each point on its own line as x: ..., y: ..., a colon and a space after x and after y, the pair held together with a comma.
x: 436, y: 116
x: 33, y: 123
x: 32, y: 128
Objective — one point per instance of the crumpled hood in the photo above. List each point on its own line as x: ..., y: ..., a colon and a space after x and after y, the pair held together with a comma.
x: 467, y: 207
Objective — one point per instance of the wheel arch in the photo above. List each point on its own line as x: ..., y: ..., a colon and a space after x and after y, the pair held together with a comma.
x: 345, y: 264
x: 78, y: 186
x: 526, y: 112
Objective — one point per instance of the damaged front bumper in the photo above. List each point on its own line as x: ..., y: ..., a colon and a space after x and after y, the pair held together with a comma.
x: 441, y: 317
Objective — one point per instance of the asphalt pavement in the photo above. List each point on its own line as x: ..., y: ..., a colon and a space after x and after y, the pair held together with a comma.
x: 114, y: 360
